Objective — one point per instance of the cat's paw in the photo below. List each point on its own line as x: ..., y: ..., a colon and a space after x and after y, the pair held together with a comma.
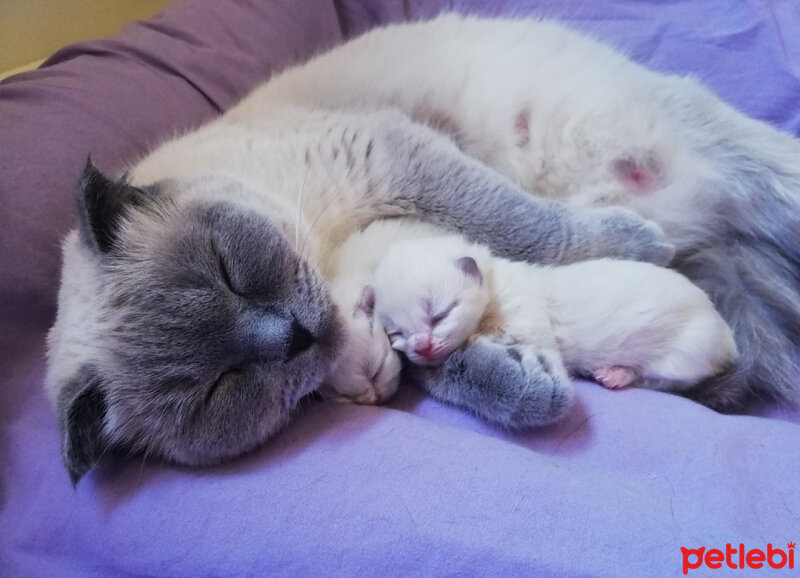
x: 615, y: 377
x: 623, y: 234
x: 509, y: 385
x: 549, y: 394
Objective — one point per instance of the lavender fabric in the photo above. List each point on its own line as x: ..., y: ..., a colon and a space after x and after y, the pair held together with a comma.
x: 413, y: 488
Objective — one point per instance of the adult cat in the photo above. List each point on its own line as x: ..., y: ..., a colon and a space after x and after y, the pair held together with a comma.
x: 192, y: 317
x: 567, y: 118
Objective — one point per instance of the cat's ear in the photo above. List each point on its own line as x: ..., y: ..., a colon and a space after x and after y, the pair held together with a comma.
x: 101, y: 204
x: 469, y: 267
x: 81, y: 414
x: 366, y: 302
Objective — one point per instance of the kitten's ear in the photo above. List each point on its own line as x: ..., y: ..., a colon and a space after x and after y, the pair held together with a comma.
x: 367, y: 300
x: 81, y: 414
x: 101, y: 203
x: 469, y: 267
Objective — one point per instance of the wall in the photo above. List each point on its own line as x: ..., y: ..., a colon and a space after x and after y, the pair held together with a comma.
x: 31, y: 30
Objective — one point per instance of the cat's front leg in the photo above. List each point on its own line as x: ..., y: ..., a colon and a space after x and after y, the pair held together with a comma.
x: 432, y: 179
x: 514, y: 386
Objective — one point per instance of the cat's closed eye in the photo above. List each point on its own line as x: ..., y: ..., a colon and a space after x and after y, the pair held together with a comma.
x: 224, y: 378
x: 225, y: 275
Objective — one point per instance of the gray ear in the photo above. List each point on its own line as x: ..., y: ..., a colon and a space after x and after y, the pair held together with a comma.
x: 469, y: 267
x: 81, y: 414
x: 101, y: 203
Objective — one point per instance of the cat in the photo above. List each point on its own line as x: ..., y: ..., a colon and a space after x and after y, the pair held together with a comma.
x: 636, y: 323
x: 565, y: 117
x: 192, y: 313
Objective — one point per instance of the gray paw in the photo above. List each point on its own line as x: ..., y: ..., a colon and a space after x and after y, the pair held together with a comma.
x: 511, y: 386
x: 623, y: 234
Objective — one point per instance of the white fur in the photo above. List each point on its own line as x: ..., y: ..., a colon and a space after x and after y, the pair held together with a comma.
x: 349, y: 270
x: 368, y: 370
x: 598, y: 315
x: 560, y: 114
x: 418, y: 280
x: 587, y: 107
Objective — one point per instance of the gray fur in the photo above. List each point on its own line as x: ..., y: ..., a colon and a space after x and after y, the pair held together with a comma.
x: 504, y: 384
x: 82, y: 409
x: 457, y: 192
x: 748, y: 257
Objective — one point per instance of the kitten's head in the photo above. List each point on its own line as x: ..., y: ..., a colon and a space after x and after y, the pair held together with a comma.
x: 368, y: 370
x: 188, y: 327
x: 430, y: 296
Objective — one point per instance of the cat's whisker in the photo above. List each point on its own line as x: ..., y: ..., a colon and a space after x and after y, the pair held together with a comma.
x: 300, y: 215
x: 313, y: 226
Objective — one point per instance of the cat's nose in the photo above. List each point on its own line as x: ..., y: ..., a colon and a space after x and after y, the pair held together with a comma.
x: 272, y: 337
x: 300, y: 339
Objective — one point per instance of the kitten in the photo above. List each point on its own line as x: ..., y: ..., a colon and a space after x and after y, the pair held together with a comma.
x: 635, y: 324
x: 566, y: 117
x: 368, y: 369
x: 193, y: 314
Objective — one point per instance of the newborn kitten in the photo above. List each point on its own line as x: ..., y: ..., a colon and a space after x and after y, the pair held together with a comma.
x: 620, y: 322
x: 368, y: 371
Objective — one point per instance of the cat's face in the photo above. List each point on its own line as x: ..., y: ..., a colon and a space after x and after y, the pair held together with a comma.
x: 208, y: 328
x: 368, y: 371
x: 430, y: 297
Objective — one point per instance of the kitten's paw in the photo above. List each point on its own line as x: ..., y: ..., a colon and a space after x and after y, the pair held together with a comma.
x: 615, y: 377
x: 623, y: 234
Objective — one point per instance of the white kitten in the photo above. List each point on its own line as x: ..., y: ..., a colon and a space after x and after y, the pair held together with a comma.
x: 619, y: 321
x: 431, y: 296
x: 368, y: 371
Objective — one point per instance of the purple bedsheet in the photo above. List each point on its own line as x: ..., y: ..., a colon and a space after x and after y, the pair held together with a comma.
x: 413, y: 488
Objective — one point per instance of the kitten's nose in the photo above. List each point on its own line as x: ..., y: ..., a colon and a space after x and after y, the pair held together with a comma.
x: 299, y: 340
x: 424, y: 348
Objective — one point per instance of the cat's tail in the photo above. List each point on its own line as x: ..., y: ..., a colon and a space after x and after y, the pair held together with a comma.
x: 753, y: 289
x: 751, y: 266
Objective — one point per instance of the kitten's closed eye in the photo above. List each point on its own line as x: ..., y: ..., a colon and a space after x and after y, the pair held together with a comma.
x: 373, y: 376
x: 441, y: 316
x: 396, y: 337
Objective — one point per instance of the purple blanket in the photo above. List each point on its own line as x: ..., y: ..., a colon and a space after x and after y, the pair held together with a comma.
x: 413, y: 488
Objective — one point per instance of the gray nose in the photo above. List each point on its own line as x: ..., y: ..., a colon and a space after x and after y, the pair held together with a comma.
x: 300, y: 340
x: 271, y: 337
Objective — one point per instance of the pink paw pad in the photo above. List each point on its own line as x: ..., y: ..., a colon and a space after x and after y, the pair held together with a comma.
x: 615, y: 377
